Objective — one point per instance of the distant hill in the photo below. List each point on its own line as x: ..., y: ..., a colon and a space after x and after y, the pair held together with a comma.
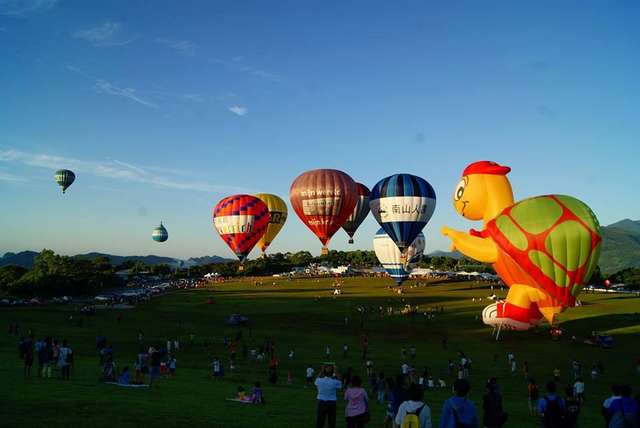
x: 621, y: 246
x: 205, y: 260
x: 117, y: 260
x: 25, y: 259
x: 439, y: 253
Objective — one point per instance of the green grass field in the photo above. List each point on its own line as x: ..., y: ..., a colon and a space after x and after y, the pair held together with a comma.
x: 291, y: 313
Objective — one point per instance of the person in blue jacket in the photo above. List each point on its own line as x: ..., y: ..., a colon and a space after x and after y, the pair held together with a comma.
x: 458, y: 410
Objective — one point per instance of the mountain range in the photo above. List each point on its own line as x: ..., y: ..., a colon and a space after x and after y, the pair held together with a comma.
x: 620, y: 246
x: 25, y: 259
x: 620, y: 250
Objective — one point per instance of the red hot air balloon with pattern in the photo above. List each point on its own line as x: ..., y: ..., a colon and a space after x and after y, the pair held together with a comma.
x: 241, y: 220
x: 323, y: 199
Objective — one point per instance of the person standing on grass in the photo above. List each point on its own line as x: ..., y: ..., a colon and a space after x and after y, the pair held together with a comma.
x: 327, y: 386
x: 47, y: 358
x: 513, y: 367
x: 459, y: 410
x: 578, y: 390
x: 26, y: 353
x: 357, y: 404
x: 606, y: 405
x: 414, y: 411
x: 624, y: 411
x: 551, y: 408
x: 309, y: 375
x: 65, y: 359
x: 155, y: 357
x: 572, y: 406
x: 494, y: 415
x: 533, y: 397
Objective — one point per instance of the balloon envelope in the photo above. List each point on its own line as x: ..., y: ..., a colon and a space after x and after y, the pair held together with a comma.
x: 390, y: 257
x: 403, y: 204
x: 323, y: 199
x: 65, y: 178
x: 160, y: 234
x: 360, y: 212
x: 277, y: 218
x: 241, y: 220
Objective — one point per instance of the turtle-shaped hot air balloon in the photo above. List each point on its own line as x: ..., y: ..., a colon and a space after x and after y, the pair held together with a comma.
x: 544, y: 248
x: 64, y: 178
x: 160, y: 233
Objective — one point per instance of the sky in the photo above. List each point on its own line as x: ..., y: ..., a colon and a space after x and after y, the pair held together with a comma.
x: 163, y: 108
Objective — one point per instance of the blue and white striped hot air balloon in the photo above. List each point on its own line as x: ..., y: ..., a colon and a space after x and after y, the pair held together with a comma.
x: 160, y: 233
x: 390, y: 258
x: 402, y: 204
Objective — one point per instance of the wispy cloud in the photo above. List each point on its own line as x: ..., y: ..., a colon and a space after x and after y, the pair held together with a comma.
x: 108, y: 34
x: 239, y: 65
x: 239, y: 110
x: 114, y: 169
x: 183, y: 47
x: 22, y: 8
x: 109, y: 88
x: 6, y: 176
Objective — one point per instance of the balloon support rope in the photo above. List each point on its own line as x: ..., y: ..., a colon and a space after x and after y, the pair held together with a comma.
x: 498, y: 332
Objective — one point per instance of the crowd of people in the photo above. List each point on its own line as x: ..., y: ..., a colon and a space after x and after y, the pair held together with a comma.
x: 402, y: 396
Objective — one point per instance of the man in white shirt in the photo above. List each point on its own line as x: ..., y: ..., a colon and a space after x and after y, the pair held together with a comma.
x: 414, y: 406
x: 405, y: 369
x: 309, y: 375
x: 578, y: 390
x: 327, y: 387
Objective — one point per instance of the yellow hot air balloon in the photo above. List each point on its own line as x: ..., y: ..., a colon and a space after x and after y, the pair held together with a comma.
x: 277, y: 216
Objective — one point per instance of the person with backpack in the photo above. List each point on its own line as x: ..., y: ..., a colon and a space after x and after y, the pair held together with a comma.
x: 551, y: 408
x: 572, y: 405
x: 494, y: 415
x: 606, y: 404
x: 624, y: 411
x: 458, y: 411
x: 414, y: 413
x: 357, y: 410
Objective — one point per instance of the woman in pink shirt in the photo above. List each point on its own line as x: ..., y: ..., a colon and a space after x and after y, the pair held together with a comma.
x: 357, y: 404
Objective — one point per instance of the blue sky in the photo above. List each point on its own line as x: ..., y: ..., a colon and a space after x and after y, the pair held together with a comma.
x: 163, y: 108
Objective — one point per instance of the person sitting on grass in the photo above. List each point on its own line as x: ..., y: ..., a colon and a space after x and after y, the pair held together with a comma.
x: 257, y: 397
x: 125, y: 376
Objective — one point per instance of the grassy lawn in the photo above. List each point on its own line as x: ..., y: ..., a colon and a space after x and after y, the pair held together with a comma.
x: 299, y: 314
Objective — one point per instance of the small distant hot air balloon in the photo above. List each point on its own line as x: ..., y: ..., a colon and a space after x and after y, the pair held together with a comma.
x: 277, y: 217
x: 403, y: 204
x: 160, y: 233
x: 241, y: 220
x: 323, y: 199
x: 360, y: 212
x: 607, y: 283
x: 64, y: 178
x: 390, y: 258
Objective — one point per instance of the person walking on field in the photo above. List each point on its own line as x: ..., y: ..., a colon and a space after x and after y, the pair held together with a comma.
x: 65, y: 359
x: 414, y: 413
x: 533, y: 397
x: 494, y: 415
x: 459, y: 411
x: 357, y: 404
x: 551, y: 408
x: 327, y: 386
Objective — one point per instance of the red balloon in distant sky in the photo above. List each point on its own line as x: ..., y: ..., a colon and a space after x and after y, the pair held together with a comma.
x: 323, y: 199
x: 607, y: 283
x: 241, y: 220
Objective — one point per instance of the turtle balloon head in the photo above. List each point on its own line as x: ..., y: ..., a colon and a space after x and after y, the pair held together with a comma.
x: 483, y: 192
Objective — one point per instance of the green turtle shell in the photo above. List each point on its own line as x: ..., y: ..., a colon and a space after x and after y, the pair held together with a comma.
x: 554, y: 239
